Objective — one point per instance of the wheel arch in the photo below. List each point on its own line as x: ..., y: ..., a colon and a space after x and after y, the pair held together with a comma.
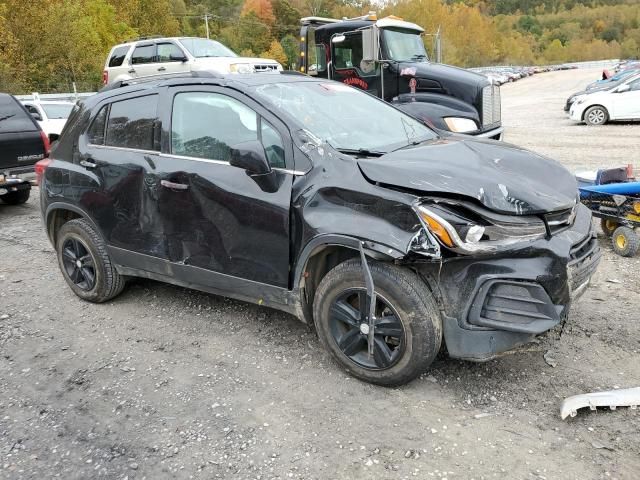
x: 57, y: 214
x: 324, y: 252
x: 606, y: 110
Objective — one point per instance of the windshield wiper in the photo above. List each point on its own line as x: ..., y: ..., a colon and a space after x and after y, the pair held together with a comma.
x: 361, y: 152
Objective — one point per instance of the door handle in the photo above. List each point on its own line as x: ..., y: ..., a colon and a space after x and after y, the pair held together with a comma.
x: 161, y: 69
x: 88, y: 164
x: 131, y: 71
x: 173, y: 185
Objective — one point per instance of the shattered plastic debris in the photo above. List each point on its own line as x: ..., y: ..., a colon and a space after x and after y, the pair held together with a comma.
x: 629, y: 397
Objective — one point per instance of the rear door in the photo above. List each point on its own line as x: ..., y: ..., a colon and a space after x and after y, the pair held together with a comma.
x: 115, y: 155
x: 21, y: 143
x: 143, y: 60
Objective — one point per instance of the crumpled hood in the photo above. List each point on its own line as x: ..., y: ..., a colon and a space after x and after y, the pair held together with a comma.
x: 504, y: 178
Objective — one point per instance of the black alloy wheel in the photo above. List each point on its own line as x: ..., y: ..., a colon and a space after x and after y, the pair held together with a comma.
x: 79, y: 264
x: 349, y: 327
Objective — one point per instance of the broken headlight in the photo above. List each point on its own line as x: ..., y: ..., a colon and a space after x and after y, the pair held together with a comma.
x: 466, y: 231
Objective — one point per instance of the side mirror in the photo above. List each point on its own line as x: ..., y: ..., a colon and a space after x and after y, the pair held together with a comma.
x: 250, y: 156
x: 370, y: 45
x: 53, y: 137
x: 623, y: 88
x: 178, y: 58
x: 37, y: 116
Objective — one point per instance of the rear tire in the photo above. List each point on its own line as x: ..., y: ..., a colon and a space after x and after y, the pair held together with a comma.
x: 608, y: 226
x: 16, y: 198
x: 625, y: 241
x: 407, y: 313
x: 596, y: 115
x: 85, y: 263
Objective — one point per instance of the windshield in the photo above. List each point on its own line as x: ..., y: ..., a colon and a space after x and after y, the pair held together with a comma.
x: 345, y: 117
x: 202, y: 47
x: 57, y: 111
x: 404, y: 45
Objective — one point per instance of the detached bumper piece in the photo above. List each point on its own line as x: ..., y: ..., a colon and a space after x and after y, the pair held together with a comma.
x: 514, y: 307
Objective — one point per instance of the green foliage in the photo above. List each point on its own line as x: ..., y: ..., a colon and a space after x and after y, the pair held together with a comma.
x: 46, y: 45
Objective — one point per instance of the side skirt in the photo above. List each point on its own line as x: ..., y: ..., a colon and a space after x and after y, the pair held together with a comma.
x: 196, y: 278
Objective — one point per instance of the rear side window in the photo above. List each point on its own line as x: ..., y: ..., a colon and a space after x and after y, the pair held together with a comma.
x: 131, y: 123
x: 12, y: 117
x: 117, y: 57
x: 96, y: 130
x: 143, y: 54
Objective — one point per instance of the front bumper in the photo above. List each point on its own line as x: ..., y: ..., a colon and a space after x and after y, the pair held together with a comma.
x: 494, y: 303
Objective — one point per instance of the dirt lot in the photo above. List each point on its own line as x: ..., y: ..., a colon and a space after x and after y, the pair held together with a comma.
x: 165, y: 382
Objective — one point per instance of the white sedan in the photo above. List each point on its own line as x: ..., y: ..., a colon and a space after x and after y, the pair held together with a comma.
x: 51, y: 115
x: 619, y: 103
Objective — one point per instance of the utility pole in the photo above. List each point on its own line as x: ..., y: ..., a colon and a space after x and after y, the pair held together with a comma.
x: 206, y: 23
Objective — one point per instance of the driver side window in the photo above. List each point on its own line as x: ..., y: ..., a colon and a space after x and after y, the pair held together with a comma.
x: 208, y: 125
x: 634, y: 86
x: 348, y: 54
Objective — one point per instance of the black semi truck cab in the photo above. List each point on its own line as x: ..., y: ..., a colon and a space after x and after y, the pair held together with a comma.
x: 387, y: 58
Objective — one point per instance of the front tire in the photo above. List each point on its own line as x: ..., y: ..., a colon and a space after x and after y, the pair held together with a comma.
x: 16, y: 198
x: 85, y: 263
x: 596, y: 115
x: 408, y: 325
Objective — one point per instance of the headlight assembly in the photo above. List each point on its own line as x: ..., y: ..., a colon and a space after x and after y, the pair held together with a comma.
x: 241, y: 68
x: 468, y: 232
x: 460, y: 125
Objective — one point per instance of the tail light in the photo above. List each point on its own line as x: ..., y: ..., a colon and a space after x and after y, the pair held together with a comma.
x: 40, y: 167
x: 105, y: 77
x: 45, y: 143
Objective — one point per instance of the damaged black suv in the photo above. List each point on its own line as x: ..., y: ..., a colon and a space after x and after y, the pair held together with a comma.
x: 320, y: 200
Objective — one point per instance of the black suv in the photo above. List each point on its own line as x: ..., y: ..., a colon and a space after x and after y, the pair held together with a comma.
x: 22, y: 144
x: 318, y: 199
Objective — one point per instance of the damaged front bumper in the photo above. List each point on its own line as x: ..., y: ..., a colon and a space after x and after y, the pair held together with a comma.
x: 494, y: 303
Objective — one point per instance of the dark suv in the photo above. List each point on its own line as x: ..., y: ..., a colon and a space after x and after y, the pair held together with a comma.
x: 318, y: 199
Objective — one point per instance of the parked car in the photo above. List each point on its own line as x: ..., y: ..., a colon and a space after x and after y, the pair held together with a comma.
x: 318, y: 199
x: 605, y: 86
x: 160, y: 56
x: 50, y: 115
x: 22, y: 144
x: 619, y: 103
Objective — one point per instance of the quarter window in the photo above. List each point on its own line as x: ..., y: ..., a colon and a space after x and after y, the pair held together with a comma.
x: 118, y: 55
x: 273, y: 145
x: 131, y: 123
x: 143, y: 54
x: 96, y: 130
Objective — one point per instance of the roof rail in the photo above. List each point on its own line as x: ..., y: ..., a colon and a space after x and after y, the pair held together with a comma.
x: 155, y: 78
x: 146, y: 37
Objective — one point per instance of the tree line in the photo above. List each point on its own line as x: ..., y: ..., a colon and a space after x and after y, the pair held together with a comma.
x: 46, y: 45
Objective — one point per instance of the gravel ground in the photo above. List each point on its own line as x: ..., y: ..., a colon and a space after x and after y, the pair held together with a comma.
x: 165, y: 382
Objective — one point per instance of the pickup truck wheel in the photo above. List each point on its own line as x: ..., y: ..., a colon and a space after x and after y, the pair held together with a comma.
x: 85, y: 263
x: 625, y: 241
x: 596, y: 115
x: 16, y: 198
x: 408, y: 328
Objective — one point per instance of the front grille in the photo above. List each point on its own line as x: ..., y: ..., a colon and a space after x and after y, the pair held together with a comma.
x: 558, y: 221
x: 265, y: 67
x: 491, y: 113
x: 585, y: 257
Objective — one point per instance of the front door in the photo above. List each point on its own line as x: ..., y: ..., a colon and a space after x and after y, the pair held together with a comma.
x: 626, y: 105
x: 169, y: 59
x: 347, y: 65
x: 215, y: 216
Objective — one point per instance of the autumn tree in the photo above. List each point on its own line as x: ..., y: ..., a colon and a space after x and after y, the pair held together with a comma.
x: 262, y: 9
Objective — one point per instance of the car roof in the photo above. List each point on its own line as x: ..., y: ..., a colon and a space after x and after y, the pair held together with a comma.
x: 156, y: 39
x: 199, y: 78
